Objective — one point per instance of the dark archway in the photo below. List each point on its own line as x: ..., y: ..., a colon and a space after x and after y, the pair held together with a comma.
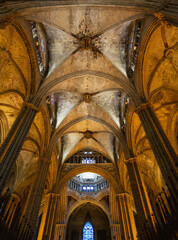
x: 93, y: 214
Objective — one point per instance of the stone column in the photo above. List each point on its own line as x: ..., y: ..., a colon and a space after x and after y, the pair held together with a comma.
x: 11, y: 209
x: 14, y: 141
x: 115, y: 231
x: 146, y: 219
x: 127, y: 217
x: 48, y: 222
x: 30, y: 214
x: 115, y: 226
x: 162, y: 149
x: 60, y: 226
x: 60, y: 232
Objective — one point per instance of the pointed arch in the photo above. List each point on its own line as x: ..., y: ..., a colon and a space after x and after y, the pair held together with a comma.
x: 88, y: 231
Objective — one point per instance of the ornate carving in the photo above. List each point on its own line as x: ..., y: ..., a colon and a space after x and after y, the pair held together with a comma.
x: 87, y: 97
x: 88, y: 134
x: 86, y: 43
x: 168, y: 53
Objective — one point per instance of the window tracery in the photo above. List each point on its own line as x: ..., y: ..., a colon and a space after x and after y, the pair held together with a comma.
x: 88, y: 231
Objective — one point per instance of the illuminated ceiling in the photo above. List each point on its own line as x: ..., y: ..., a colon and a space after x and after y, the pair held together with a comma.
x: 80, y: 48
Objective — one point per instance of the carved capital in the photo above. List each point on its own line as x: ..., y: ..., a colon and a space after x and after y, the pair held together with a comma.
x: 53, y: 195
x: 123, y: 194
x: 30, y: 105
x: 62, y: 225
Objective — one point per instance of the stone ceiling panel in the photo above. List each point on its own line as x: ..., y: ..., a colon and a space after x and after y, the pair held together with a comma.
x: 66, y: 101
x: 90, y: 125
x: 60, y: 46
x: 106, y: 140
x: 85, y: 84
x: 88, y: 143
x: 84, y: 110
x: 84, y: 60
x: 84, y: 20
x: 109, y: 101
x: 70, y: 140
x: 113, y: 44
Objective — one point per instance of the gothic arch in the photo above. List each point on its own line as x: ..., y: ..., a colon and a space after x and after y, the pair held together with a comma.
x: 77, y: 204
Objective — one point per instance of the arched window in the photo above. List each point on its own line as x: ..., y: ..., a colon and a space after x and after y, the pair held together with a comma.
x: 88, y: 232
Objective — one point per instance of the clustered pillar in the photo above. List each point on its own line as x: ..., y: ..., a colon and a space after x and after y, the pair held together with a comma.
x: 14, y: 141
x: 11, y: 209
x: 127, y: 217
x: 162, y: 149
x: 30, y: 213
x: 146, y: 219
x: 115, y: 226
x: 48, y: 222
x: 60, y: 231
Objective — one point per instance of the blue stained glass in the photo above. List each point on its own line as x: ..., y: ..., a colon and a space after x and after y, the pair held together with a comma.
x: 88, y: 232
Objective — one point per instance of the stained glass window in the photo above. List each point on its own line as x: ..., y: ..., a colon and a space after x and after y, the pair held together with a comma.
x: 88, y: 232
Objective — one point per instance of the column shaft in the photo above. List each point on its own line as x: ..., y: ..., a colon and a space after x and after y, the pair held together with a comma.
x: 115, y: 226
x: 115, y: 232
x: 13, y: 143
x: 127, y: 216
x: 162, y: 149
x: 48, y: 222
x: 60, y: 232
x: 11, y: 209
x: 146, y: 220
x: 29, y: 217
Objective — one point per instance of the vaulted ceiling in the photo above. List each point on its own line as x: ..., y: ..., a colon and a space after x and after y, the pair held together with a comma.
x: 86, y: 58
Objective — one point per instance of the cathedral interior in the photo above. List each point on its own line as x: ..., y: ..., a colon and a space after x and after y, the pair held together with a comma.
x: 89, y: 120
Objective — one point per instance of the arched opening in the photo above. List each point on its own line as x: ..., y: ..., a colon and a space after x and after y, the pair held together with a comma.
x: 88, y: 222
x: 88, y: 231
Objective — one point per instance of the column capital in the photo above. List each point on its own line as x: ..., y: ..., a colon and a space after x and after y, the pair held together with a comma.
x: 123, y: 194
x: 53, y: 194
x: 61, y: 225
x: 115, y: 225
x: 131, y: 160
x: 143, y: 106
x: 30, y: 105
